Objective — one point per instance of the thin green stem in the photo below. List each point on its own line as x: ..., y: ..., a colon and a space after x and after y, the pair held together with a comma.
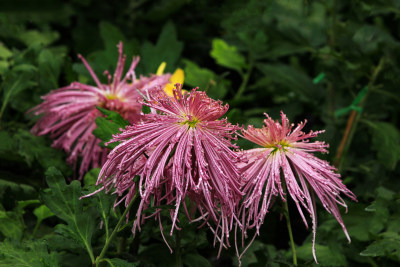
x: 354, y: 118
x: 115, y: 231
x: 246, y: 77
x: 36, y: 228
x: 289, y: 227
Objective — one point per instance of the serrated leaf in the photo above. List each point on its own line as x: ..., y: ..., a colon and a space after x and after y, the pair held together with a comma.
x: 11, y: 224
x: 386, y: 141
x: 28, y: 254
x: 390, y: 244
x: 108, y: 126
x: 63, y: 200
x: 37, y: 148
x: 106, y: 58
x: 114, y: 117
x: 167, y: 49
x: 227, y: 56
x: 105, y: 129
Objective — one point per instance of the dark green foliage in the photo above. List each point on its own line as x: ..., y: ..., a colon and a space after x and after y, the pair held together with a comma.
x: 167, y: 49
x: 63, y: 200
x: 108, y: 126
x: 323, y: 61
x: 30, y: 253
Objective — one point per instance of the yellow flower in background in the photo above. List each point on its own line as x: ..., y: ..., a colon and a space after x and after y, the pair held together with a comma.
x: 177, y: 77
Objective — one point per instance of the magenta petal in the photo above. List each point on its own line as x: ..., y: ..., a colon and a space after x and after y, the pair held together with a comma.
x: 69, y: 113
x: 287, y: 153
x: 184, y: 152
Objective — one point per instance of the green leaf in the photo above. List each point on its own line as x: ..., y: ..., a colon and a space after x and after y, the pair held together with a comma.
x: 386, y: 141
x: 195, y: 260
x: 5, y: 52
x: 370, y: 37
x: 167, y: 49
x: 104, y: 131
x: 11, y: 224
x: 106, y: 59
x: 50, y: 67
x: 121, y: 263
x: 227, y: 56
x: 22, y: 191
x: 205, y: 79
x: 7, y: 143
x: 90, y: 177
x: 36, y: 37
x: 108, y: 126
x: 157, y: 254
x: 37, y: 148
x: 390, y: 244
x: 42, y: 212
x: 63, y: 200
x: 15, y: 82
x: 146, y: 109
x: 111, y: 35
x: 326, y: 255
x: 114, y: 117
x: 28, y: 254
x: 24, y: 203
x: 291, y: 80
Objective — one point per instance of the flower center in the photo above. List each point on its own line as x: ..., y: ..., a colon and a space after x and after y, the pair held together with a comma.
x: 191, y: 122
x: 111, y: 96
x: 281, y: 145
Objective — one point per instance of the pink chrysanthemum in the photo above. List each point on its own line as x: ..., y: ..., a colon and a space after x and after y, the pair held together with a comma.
x: 181, y: 151
x: 69, y: 113
x: 286, y: 160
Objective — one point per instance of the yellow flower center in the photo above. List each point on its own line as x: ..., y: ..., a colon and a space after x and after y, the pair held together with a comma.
x: 191, y: 123
x: 282, y: 145
x: 111, y: 97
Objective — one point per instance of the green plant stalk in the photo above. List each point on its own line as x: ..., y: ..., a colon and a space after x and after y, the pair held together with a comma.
x: 36, y: 228
x: 115, y: 231
x: 246, y: 78
x: 348, y: 137
x: 289, y: 227
x: 6, y: 98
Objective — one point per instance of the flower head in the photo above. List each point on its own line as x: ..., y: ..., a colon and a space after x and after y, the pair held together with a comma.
x: 285, y: 163
x: 183, y: 150
x: 69, y: 113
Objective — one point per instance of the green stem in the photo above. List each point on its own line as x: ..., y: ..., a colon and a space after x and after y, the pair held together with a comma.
x: 115, y: 231
x: 36, y: 228
x: 289, y: 227
x: 246, y: 77
x: 355, y: 118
